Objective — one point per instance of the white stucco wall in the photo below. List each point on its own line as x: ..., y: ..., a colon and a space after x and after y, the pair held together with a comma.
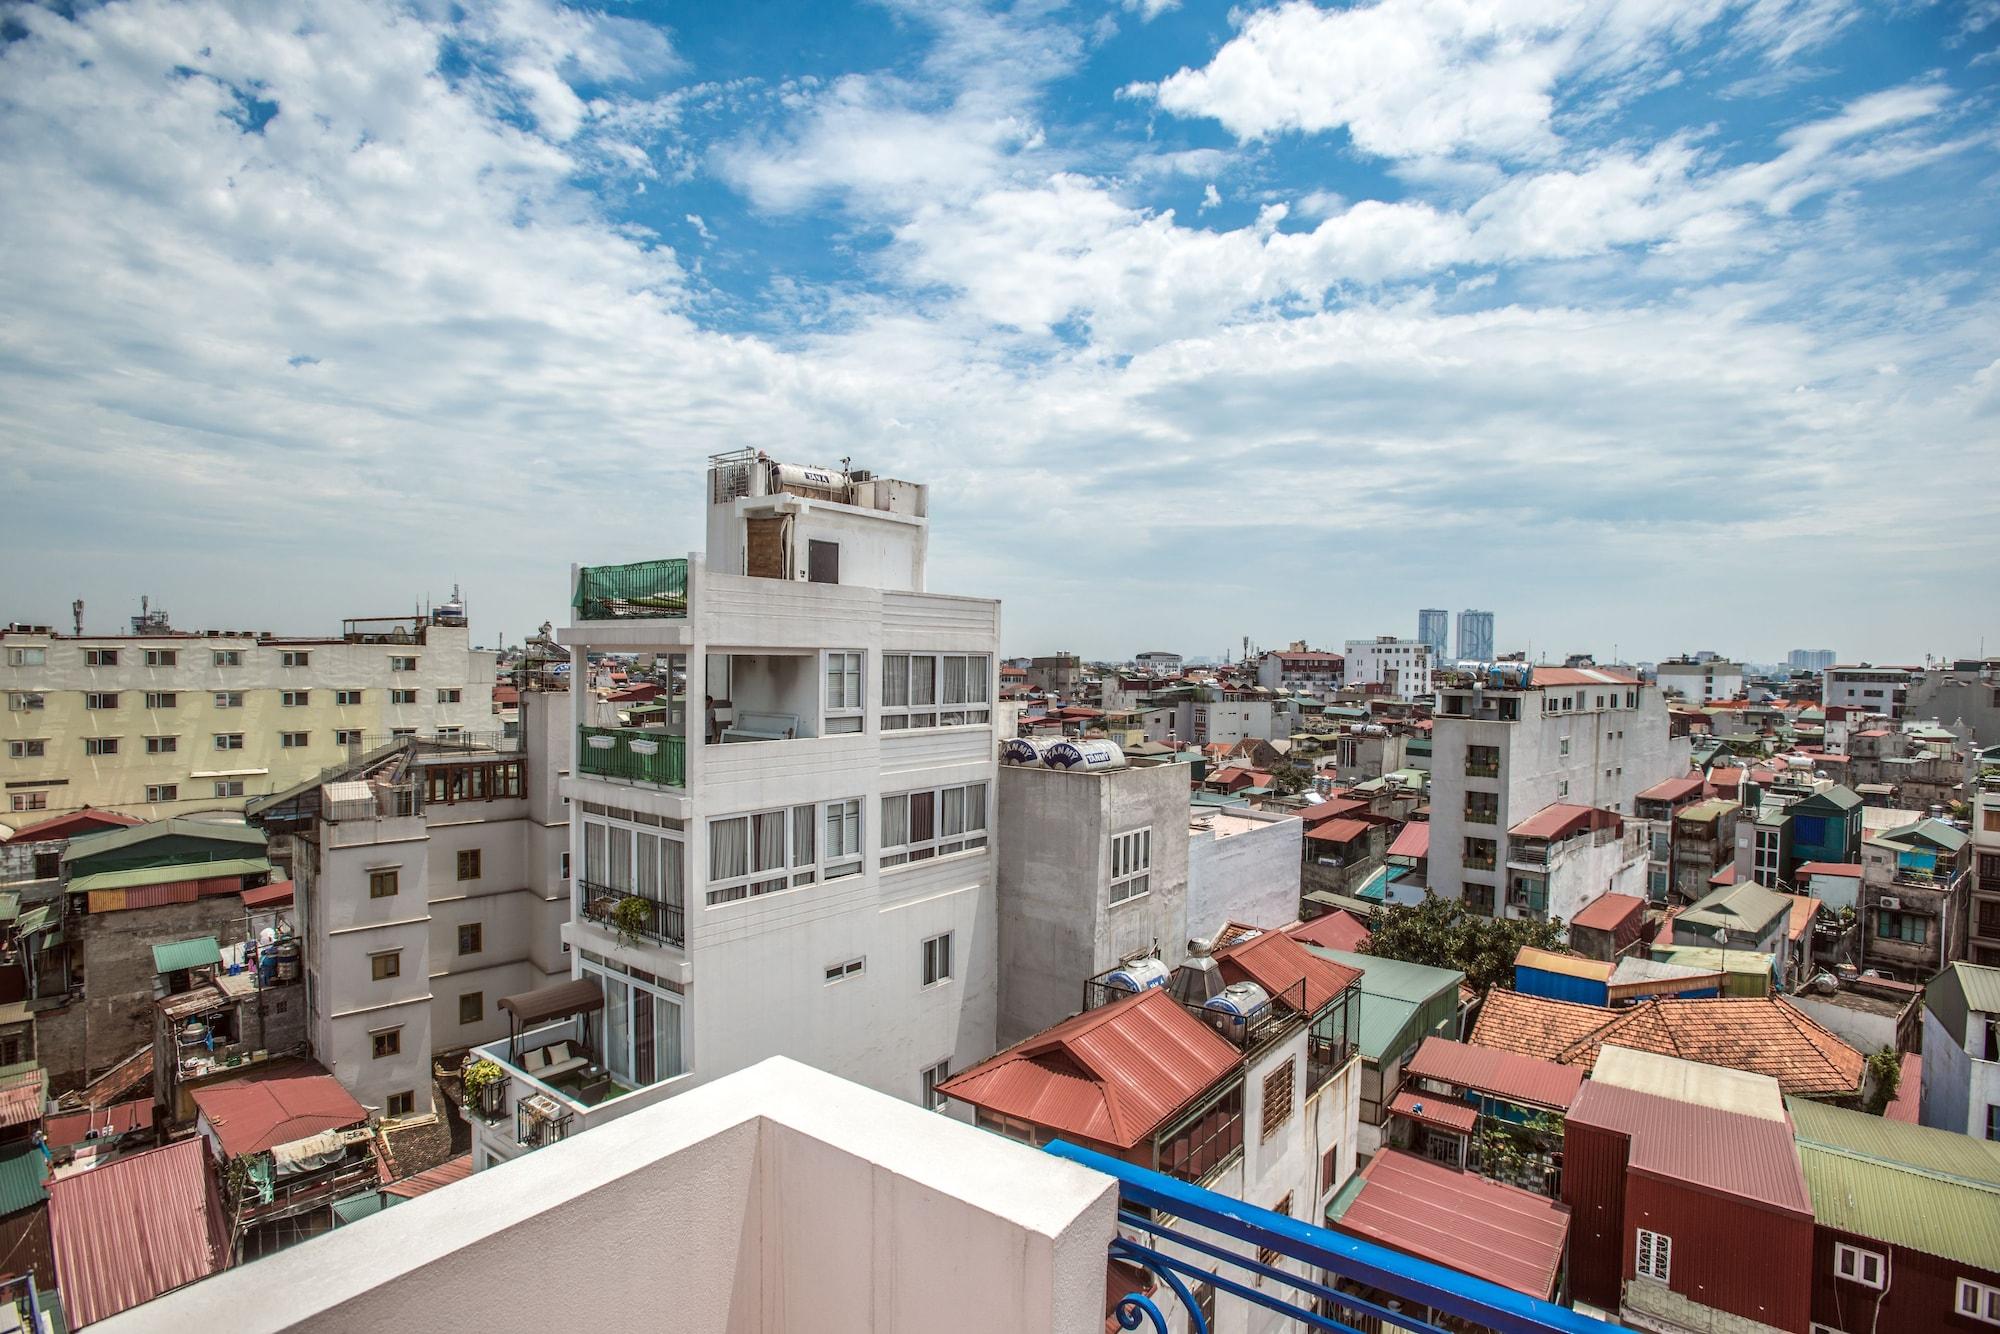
x: 1243, y: 866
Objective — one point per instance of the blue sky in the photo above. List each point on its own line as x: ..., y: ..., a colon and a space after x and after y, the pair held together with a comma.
x: 1650, y: 324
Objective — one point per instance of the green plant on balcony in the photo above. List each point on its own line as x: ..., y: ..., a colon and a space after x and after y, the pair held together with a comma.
x: 483, y: 1082
x: 632, y: 917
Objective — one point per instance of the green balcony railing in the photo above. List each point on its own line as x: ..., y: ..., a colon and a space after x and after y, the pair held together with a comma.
x: 647, y: 588
x: 642, y: 755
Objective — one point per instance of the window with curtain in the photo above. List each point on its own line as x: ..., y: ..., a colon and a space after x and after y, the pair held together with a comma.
x: 804, y: 828
x: 935, y: 690
x: 842, y: 854
x: 935, y: 822
x: 767, y: 851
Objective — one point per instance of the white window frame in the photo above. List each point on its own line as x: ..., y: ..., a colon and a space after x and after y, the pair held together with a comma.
x: 841, y: 838
x: 294, y: 699
x: 1853, y: 1264
x: 294, y: 740
x: 1984, y: 1306
x: 902, y: 675
x: 229, y: 740
x: 451, y: 695
x: 342, y: 698
x: 837, y: 973
x: 226, y: 657
x: 843, y: 692
x: 100, y: 657
x: 163, y: 745
x: 928, y: 1080
x: 799, y: 857
x: 1131, y: 865
x: 399, y: 663
x: 295, y: 657
x: 96, y: 699
x: 100, y: 745
x: 1654, y: 1258
x: 399, y: 696
x: 162, y: 657
x: 228, y: 787
x: 25, y: 701
x: 27, y: 801
x: 157, y: 792
x: 28, y: 748
x: 347, y: 736
x: 228, y: 699
x: 970, y: 798
x: 27, y: 657
x: 937, y: 960
x: 163, y: 699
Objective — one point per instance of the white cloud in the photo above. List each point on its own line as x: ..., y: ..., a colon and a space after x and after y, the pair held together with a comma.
x: 1422, y: 78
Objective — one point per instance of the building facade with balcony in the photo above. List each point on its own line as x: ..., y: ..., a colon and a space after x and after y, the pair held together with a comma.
x: 1524, y: 739
x: 1914, y: 896
x: 1563, y: 857
x: 1867, y: 688
x: 430, y: 882
x: 163, y: 722
x: 1983, y: 943
x: 802, y: 867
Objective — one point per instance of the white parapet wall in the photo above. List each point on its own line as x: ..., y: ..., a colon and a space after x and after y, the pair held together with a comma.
x: 777, y: 1199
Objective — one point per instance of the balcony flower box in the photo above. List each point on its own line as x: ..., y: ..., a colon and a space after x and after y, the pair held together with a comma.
x: 600, y: 742
x: 642, y: 747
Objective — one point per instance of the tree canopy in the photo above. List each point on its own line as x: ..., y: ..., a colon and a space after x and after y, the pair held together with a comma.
x: 1444, y: 934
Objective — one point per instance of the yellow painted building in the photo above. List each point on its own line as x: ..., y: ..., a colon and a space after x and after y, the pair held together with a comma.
x: 178, y: 723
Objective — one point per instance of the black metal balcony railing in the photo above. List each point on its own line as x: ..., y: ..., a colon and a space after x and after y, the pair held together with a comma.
x: 654, y: 918
x: 540, y: 1121
x: 1482, y: 768
x: 1478, y: 815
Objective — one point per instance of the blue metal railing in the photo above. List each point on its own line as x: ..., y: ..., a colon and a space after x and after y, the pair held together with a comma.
x: 1173, y: 1208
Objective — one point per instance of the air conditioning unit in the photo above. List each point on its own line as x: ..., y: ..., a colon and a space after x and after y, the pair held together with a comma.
x: 1889, y: 901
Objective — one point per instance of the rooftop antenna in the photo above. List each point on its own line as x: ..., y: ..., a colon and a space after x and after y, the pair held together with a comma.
x: 76, y: 614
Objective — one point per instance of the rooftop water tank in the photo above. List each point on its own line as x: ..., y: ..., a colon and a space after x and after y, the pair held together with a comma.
x: 1138, y: 975
x: 1022, y: 750
x: 1085, y: 755
x: 1241, y: 1007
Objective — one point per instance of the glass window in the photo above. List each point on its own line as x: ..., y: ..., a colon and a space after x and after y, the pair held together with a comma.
x: 1131, y: 864
x: 932, y: 1078
x: 844, y: 702
x: 937, y: 959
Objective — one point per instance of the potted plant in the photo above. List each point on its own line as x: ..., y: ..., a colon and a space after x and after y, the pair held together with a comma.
x: 484, y: 1082
x: 632, y: 917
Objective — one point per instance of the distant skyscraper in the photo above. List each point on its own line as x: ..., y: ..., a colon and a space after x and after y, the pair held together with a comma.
x: 1434, y: 628
x: 1811, y: 659
x: 1475, y: 636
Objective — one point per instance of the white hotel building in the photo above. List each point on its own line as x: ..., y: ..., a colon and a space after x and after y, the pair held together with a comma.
x: 802, y: 867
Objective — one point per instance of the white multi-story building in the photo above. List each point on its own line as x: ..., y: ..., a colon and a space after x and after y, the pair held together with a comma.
x: 161, y: 722
x: 1526, y: 740
x: 431, y: 881
x: 1810, y: 659
x: 1158, y: 662
x: 1867, y: 687
x: 1402, y: 667
x: 1701, y: 682
x: 1301, y: 668
x: 802, y: 868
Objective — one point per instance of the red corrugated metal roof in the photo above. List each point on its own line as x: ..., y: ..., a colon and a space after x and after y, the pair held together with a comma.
x: 1909, y: 1092
x: 70, y: 824
x: 119, y: 1119
x: 1338, y: 831
x: 1608, y: 912
x: 249, y: 1115
x: 1560, y: 820
x: 21, y: 1097
x: 1333, y: 809
x: 134, y: 1228
x: 1674, y: 789
x: 423, y: 1183
x: 1727, y: 1152
x: 1337, y: 930
x: 268, y: 896
x: 1435, y: 1109
x: 1725, y: 877
x: 1852, y: 869
x: 1505, y: 1074
x: 1804, y: 908
x: 1412, y: 840
x: 1501, y: 1233
x: 1112, y: 1075
x: 1276, y: 962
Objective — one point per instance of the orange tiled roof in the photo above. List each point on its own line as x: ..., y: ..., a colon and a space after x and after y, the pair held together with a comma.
x: 1761, y: 1034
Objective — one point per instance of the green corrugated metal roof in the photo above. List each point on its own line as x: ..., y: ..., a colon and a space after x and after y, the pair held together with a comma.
x: 1961, y: 990
x: 24, y: 1176
x: 162, y: 875
x: 35, y: 919
x: 1393, y: 993
x: 1910, y: 1185
x: 10, y: 905
x: 110, y: 840
x: 186, y: 954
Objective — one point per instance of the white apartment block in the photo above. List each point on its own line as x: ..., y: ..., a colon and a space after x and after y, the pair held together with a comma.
x: 166, y: 723
x: 1243, y: 866
x: 1402, y: 667
x: 1158, y: 662
x: 431, y: 882
x: 803, y: 867
x: 1701, y: 682
x: 1301, y: 669
x: 1528, y: 739
x: 1867, y: 687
